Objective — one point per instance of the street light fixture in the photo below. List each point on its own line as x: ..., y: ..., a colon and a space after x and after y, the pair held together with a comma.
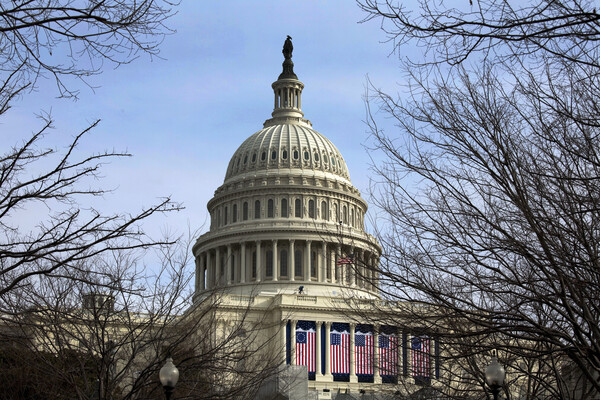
x: 169, y: 374
x: 494, y: 375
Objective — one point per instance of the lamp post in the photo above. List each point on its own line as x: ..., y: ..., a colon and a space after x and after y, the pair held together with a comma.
x: 169, y: 374
x: 494, y: 375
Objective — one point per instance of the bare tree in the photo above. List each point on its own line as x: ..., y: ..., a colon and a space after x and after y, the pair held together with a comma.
x: 489, y: 188
x: 60, y: 39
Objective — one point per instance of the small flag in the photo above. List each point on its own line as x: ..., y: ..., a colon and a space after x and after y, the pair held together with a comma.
x: 363, y: 346
x: 421, y: 364
x: 340, y: 348
x: 349, y: 259
x: 388, y: 354
x: 305, y: 344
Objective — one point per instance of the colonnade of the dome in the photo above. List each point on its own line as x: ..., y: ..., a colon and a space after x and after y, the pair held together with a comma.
x: 263, y: 260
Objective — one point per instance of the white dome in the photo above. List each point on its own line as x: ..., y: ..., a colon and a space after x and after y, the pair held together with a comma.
x: 294, y: 146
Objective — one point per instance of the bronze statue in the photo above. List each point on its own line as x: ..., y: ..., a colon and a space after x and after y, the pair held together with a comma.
x: 288, y: 48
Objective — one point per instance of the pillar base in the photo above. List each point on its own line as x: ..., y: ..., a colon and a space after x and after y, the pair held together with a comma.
x: 353, y: 379
x: 324, y: 378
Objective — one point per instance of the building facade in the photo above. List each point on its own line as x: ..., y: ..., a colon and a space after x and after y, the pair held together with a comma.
x: 287, y: 241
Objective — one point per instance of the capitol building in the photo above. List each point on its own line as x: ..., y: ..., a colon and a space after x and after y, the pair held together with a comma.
x: 287, y: 244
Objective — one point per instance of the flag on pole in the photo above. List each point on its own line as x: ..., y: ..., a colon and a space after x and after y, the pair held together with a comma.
x: 349, y: 259
x: 305, y: 344
x: 420, y: 346
x: 340, y: 348
x: 363, y: 350
x: 388, y: 354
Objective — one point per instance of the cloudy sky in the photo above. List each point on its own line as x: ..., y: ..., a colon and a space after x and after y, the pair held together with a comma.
x: 183, y: 116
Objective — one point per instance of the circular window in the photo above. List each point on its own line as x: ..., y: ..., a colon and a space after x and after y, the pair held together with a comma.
x: 263, y: 156
x: 306, y: 155
x: 284, y: 155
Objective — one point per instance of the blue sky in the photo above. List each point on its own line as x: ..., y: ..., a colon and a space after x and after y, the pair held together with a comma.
x: 183, y: 116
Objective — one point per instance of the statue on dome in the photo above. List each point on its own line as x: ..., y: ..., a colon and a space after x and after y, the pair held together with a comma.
x: 288, y: 48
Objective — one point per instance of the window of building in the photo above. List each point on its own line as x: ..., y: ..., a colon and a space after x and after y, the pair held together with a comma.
x: 234, y: 213
x: 316, y: 156
x: 345, y: 215
x: 298, y: 263
x: 298, y: 208
x: 232, y: 266
x: 225, y: 216
x: 254, y: 157
x: 313, y: 264
x: 296, y: 154
x: 306, y: 155
x: 311, y: 208
x: 245, y: 159
x: 283, y: 263
x: 219, y: 217
x: 352, y: 216
x: 284, y: 208
x: 329, y: 268
x: 257, y: 209
x: 270, y: 209
x: 269, y: 264
x: 284, y: 154
x: 245, y: 211
x: 263, y: 156
x: 324, y: 210
x: 254, y: 264
x: 273, y: 155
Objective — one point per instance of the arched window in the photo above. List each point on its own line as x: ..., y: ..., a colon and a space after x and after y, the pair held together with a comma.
x: 269, y: 264
x: 298, y: 208
x: 313, y: 265
x: 336, y: 214
x: 283, y: 263
x: 254, y: 264
x: 284, y: 208
x: 311, y: 209
x: 257, y: 209
x: 345, y: 215
x: 270, y: 209
x: 352, y: 216
x: 225, y: 216
x: 298, y: 263
x: 324, y: 210
x: 329, y: 268
x: 234, y: 213
x: 232, y: 264
x: 219, y: 217
x: 245, y: 211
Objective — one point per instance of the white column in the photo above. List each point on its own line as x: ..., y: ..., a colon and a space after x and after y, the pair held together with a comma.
x: 243, y: 263
x: 275, y: 261
x: 318, y: 371
x: 258, y: 269
x: 292, y: 269
x: 217, y: 267
x: 352, y: 270
x: 293, y: 346
x: 209, y: 271
x: 340, y: 267
x: 327, y: 348
x: 228, y: 266
x: 322, y: 271
x: 333, y: 266
x: 352, y: 353
x: 376, y: 376
x: 283, y: 336
x: 307, y: 261
x: 202, y: 268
